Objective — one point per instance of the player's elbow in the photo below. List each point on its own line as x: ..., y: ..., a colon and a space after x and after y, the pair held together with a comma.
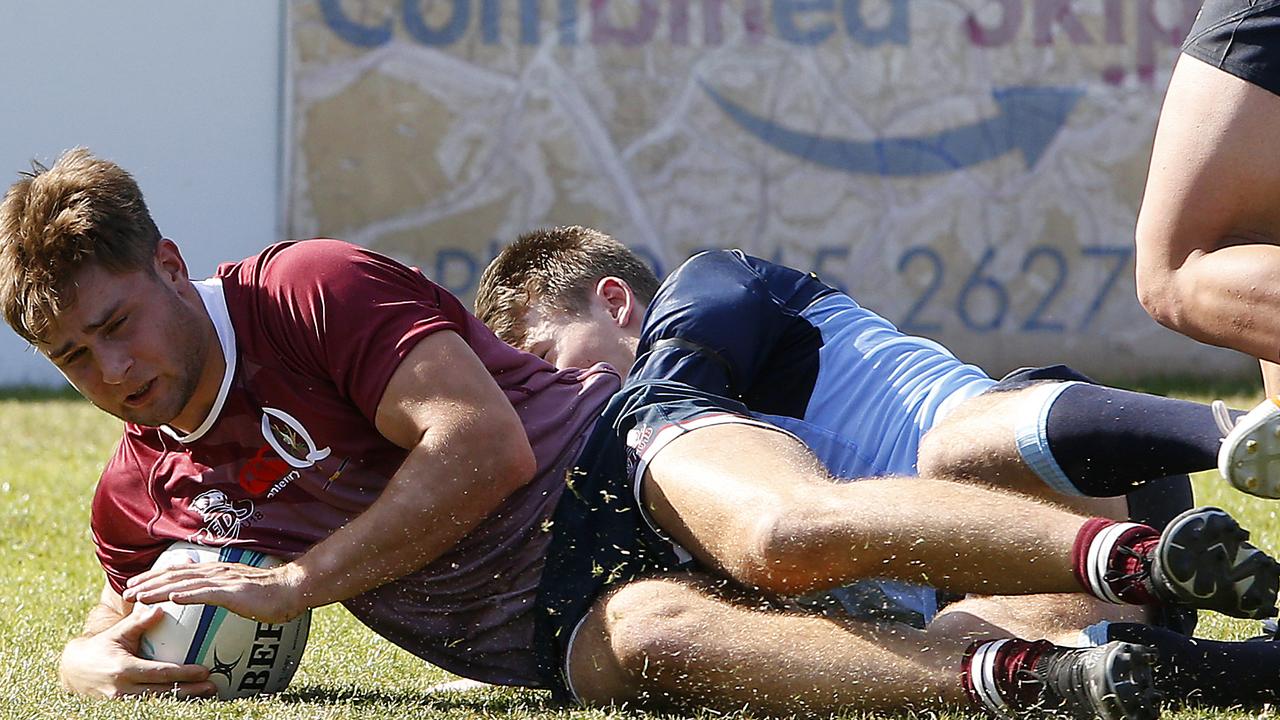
x: 1161, y: 296
x: 512, y: 462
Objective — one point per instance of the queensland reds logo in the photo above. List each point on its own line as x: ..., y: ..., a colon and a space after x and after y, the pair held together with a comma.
x: 223, y: 517
x: 294, y: 450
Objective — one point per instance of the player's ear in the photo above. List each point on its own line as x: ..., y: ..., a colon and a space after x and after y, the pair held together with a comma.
x: 618, y: 299
x: 169, y: 264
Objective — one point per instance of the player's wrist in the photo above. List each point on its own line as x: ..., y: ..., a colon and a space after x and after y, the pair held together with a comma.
x: 71, y: 665
x: 303, y: 588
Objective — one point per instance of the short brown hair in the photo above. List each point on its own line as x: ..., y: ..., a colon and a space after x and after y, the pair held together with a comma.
x: 557, y: 266
x: 56, y: 220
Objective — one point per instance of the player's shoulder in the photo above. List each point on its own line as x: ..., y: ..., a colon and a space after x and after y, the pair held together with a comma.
x: 122, y: 495
x: 715, y: 261
x: 291, y: 260
x: 135, y: 454
x: 309, y: 272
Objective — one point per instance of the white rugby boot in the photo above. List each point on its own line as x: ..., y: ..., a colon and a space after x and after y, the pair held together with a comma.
x: 1249, y: 458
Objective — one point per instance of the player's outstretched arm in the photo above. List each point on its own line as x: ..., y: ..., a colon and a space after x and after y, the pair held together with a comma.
x: 1208, y: 234
x: 104, y: 662
x: 467, y: 453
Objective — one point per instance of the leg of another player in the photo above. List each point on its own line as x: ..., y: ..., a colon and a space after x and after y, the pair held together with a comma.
x: 1208, y: 232
x: 1073, y: 439
x: 755, y: 504
x: 1058, y: 617
x: 675, y: 643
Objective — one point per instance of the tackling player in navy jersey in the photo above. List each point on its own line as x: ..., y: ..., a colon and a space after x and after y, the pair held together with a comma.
x: 861, y: 394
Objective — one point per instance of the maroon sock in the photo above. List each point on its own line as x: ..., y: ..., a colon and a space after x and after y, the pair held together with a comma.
x: 1107, y: 560
x: 993, y: 677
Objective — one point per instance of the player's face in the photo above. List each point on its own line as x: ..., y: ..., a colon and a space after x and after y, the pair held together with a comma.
x: 578, y: 340
x: 136, y: 346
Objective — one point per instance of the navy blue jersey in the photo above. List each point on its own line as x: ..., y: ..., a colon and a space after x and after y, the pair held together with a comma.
x: 730, y: 324
x: 803, y: 356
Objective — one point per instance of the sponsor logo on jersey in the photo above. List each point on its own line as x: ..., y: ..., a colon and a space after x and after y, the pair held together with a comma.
x: 223, y: 517
x: 289, y: 450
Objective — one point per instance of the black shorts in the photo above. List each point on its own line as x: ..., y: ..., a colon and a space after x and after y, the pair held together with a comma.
x: 1241, y: 37
x: 600, y: 533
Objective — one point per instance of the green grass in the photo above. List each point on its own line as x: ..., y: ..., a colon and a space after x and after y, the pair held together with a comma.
x: 52, y: 447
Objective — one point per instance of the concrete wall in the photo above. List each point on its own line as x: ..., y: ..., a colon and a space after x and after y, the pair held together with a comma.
x: 186, y: 94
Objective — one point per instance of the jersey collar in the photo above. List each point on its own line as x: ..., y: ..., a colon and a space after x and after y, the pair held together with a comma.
x: 215, y: 302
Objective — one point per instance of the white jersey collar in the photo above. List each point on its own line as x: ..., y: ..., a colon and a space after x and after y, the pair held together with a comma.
x: 215, y: 302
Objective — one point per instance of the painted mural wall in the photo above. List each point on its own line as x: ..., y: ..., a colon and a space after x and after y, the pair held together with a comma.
x: 970, y: 168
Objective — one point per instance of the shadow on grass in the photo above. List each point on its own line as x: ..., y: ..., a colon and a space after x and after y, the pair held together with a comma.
x: 1223, y: 387
x: 488, y: 700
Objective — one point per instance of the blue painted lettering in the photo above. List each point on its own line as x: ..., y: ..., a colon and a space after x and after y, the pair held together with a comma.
x: 447, y: 34
x: 628, y: 23
x: 351, y: 31
x: 896, y: 31
x: 785, y: 13
x: 456, y: 270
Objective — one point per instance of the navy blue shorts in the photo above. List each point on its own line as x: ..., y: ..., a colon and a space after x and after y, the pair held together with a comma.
x: 1241, y: 37
x: 600, y: 534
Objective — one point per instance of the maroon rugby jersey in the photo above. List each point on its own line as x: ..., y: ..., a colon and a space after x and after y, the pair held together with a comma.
x: 312, y: 332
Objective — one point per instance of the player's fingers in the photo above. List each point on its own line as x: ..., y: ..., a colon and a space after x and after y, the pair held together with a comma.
x: 232, y: 598
x: 150, y: 672
x: 174, y: 570
x: 180, y: 690
x: 166, y: 589
x: 131, y: 626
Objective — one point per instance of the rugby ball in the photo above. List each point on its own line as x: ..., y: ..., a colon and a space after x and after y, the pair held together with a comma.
x: 244, y: 657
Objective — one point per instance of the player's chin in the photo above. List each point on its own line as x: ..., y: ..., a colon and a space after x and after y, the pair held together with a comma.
x: 154, y: 414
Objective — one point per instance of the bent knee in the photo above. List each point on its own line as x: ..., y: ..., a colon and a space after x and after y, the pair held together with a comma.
x: 652, y: 623
x: 634, y: 644
x: 812, y: 543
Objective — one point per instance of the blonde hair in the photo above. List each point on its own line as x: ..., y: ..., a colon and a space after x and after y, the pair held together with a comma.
x: 55, y: 221
x: 557, y: 266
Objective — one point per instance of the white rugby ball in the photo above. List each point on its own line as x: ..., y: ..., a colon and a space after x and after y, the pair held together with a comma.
x: 244, y: 657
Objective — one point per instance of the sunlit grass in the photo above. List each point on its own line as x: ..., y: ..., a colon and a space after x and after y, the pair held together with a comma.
x: 51, y: 450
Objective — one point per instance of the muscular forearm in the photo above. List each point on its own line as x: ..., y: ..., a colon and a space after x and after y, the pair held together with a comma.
x: 436, y: 497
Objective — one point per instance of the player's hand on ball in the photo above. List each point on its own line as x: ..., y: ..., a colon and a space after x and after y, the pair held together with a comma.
x: 107, y: 664
x: 269, y: 595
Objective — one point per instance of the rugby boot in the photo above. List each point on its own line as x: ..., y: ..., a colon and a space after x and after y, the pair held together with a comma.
x: 1203, y: 560
x: 1249, y: 458
x: 1112, y: 681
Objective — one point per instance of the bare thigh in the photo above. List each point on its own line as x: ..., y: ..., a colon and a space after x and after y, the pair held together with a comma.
x: 976, y: 443
x: 676, y: 642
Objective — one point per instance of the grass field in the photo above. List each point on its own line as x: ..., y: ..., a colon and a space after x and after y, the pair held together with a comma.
x: 51, y: 450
